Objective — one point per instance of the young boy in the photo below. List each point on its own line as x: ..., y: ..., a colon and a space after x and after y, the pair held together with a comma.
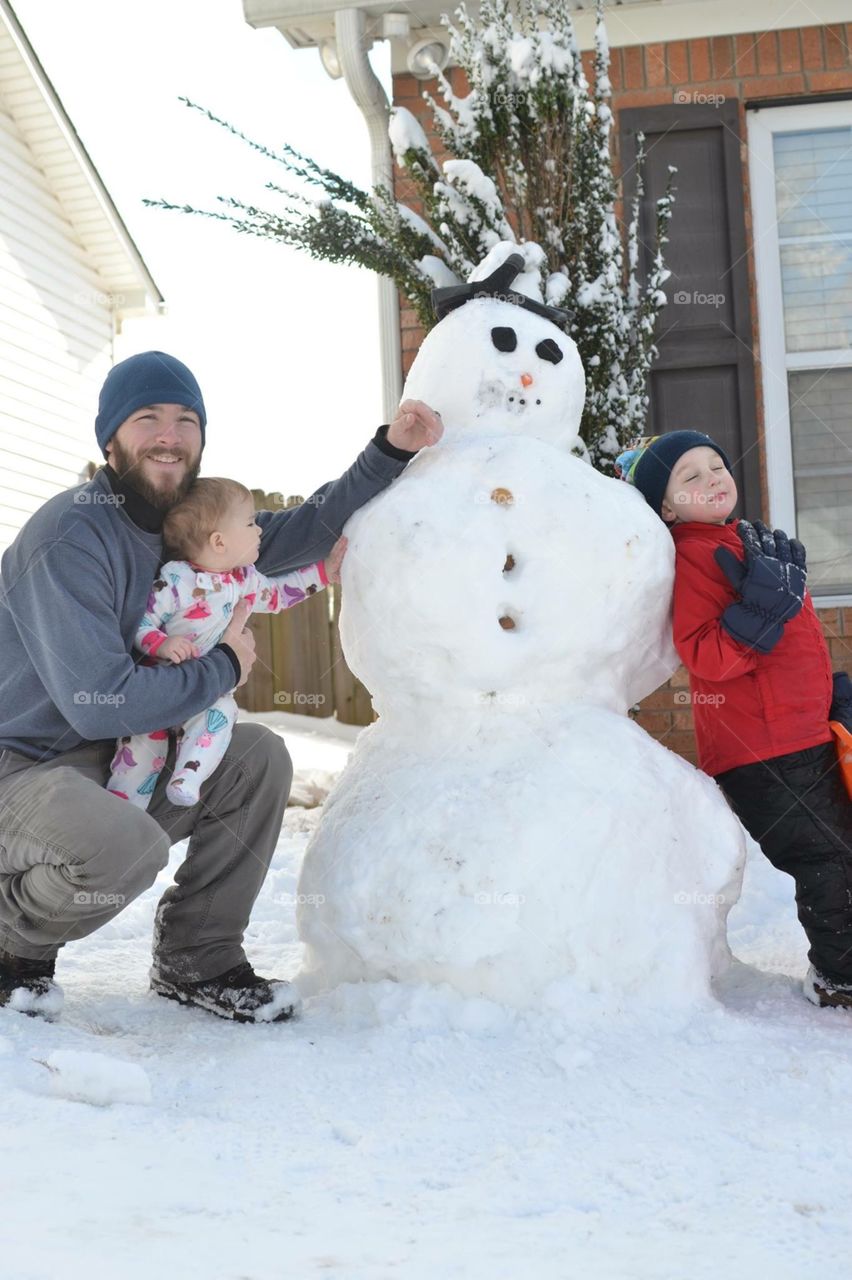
x: 761, y: 685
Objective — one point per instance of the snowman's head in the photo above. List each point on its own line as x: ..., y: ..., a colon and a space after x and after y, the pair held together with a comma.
x: 499, y: 361
x: 492, y: 368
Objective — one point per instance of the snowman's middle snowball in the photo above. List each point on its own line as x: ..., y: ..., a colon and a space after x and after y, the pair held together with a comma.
x: 425, y: 585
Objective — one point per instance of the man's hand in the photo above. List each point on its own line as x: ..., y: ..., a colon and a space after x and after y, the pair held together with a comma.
x: 241, y: 640
x: 178, y: 649
x: 335, y: 559
x: 414, y: 426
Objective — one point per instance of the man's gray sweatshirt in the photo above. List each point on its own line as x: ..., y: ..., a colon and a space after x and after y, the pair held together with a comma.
x: 75, y: 583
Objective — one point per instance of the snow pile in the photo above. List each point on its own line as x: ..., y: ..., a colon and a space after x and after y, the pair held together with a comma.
x: 95, y: 1078
x: 310, y: 788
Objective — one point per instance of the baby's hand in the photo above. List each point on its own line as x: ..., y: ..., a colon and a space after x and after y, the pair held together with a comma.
x: 335, y: 559
x: 178, y: 649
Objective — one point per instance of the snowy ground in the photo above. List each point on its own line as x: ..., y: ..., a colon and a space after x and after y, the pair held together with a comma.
x: 399, y: 1132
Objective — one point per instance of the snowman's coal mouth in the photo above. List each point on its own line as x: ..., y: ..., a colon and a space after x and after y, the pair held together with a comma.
x: 518, y: 404
x: 494, y: 394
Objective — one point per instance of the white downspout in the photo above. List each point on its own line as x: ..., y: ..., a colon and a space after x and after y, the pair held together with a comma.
x: 367, y: 91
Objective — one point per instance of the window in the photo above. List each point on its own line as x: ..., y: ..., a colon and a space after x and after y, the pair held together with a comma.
x: 801, y: 192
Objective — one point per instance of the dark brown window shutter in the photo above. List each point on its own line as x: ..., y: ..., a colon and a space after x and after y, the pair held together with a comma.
x: 704, y: 376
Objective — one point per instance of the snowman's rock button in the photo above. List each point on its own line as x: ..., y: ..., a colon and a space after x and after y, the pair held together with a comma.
x: 503, y: 497
x: 507, y: 623
x: 510, y: 563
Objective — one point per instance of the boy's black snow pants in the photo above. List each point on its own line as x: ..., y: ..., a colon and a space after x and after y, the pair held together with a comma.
x: 797, y: 808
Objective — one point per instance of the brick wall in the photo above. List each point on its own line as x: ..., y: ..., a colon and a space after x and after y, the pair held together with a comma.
x: 766, y: 64
x: 803, y: 62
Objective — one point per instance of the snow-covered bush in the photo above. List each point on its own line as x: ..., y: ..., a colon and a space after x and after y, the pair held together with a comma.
x: 529, y: 161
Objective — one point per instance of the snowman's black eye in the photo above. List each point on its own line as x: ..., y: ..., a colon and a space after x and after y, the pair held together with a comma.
x: 504, y: 339
x: 549, y: 350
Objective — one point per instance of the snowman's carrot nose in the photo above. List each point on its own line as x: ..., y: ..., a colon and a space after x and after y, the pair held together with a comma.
x: 526, y: 379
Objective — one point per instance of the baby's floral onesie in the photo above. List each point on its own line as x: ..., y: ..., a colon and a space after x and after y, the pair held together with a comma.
x: 186, y: 600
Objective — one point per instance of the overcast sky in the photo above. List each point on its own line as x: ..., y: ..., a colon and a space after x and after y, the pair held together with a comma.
x: 285, y: 348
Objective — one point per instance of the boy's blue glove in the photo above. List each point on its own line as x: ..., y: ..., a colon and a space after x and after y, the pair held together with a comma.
x: 770, y: 582
x: 841, y: 706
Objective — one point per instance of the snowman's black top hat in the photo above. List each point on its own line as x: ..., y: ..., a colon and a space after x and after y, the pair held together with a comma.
x: 497, y: 285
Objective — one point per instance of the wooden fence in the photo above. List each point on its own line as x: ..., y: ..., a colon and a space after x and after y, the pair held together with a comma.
x: 300, y: 665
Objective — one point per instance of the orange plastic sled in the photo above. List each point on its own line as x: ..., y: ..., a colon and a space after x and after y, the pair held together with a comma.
x: 843, y: 741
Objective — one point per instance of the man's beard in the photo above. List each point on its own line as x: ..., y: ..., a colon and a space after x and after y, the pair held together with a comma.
x: 129, y: 469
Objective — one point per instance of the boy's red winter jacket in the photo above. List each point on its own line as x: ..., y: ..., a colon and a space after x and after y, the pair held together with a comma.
x: 746, y: 706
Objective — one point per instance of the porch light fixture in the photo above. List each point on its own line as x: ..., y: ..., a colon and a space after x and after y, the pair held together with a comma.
x: 425, y: 56
x: 329, y: 59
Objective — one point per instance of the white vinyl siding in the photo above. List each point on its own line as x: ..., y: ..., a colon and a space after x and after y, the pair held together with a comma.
x: 69, y: 271
x: 801, y: 192
x: 56, y: 333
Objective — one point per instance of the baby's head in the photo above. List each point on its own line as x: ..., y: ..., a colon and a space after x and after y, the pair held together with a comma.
x: 213, y: 526
x: 684, y: 476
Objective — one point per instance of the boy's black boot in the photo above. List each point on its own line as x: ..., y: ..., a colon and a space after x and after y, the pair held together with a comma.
x: 825, y: 993
x: 28, y: 986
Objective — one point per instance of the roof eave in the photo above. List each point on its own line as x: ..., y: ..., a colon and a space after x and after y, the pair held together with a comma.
x: 146, y: 298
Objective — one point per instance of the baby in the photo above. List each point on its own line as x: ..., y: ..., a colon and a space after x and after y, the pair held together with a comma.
x: 215, y: 540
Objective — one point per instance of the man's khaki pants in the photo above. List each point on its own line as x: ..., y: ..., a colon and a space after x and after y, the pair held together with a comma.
x: 72, y: 856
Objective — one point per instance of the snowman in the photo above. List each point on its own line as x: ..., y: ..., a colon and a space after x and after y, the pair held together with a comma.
x: 504, y: 827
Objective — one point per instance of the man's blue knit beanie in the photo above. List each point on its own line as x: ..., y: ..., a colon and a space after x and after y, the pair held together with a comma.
x: 650, y: 469
x: 149, y: 378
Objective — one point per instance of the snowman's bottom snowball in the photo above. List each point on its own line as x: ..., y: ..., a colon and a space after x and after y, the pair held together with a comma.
x: 517, y: 856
